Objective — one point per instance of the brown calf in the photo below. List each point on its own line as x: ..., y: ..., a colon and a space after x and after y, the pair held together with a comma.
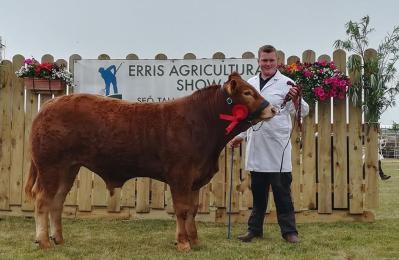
x: 176, y: 142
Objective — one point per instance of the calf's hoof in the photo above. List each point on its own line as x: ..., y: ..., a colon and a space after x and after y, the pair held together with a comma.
x: 45, y: 244
x: 57, y: 240
x: 195, y: 242
x: 183, y: 247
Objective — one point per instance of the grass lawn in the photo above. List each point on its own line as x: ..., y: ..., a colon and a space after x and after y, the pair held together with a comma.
x: 153, y: 239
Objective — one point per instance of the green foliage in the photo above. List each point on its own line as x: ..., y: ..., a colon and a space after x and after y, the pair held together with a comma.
x: 395, y: 126
x: 377, y: 75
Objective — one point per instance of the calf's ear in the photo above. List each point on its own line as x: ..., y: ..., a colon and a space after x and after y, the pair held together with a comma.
x: 234, y: 74
x: 231, y: 87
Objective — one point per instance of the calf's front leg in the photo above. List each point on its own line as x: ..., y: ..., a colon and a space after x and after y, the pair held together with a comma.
x: 185, y: 204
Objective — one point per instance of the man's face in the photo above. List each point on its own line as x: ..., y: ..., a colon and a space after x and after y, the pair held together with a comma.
x: 267, y: 63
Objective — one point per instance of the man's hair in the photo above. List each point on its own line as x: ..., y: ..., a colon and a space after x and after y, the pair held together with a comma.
x: 267, y: 49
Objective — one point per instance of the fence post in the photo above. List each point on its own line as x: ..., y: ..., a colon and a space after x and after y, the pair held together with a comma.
x: 355, y: 153
x: 5, y: 133
x: 340, y: 139
x: 17, y: 134
x: 309, y: 149
x: 324, y: 151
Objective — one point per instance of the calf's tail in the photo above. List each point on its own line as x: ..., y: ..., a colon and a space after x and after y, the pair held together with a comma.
x: 31, y: 181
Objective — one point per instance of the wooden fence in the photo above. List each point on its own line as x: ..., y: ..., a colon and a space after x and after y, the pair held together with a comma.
x: 330, y: 182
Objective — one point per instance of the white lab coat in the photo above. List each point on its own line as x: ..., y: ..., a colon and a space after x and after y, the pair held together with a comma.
x: 265, y: 146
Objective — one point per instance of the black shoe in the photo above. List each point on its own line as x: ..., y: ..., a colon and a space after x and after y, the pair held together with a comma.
x: 385, y: 177
x: 247, y: 237
x: 292, y: 238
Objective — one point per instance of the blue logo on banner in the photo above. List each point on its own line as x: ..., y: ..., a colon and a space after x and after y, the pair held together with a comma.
x: 109, y: 76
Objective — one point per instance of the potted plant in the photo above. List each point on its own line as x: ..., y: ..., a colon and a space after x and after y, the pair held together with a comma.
x: 44, y: 77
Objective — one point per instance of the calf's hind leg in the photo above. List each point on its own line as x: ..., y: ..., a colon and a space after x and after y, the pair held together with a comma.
x: 57, y: 204
x: 41, y: 219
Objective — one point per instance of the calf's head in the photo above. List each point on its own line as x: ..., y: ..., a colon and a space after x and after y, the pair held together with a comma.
x: 241, y: 92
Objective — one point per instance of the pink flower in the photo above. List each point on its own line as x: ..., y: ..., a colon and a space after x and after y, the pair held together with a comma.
x: 307, y: 74
x: 319, y: 92
x: 29, y: 61
x: 349, y: 83
x: 328, y: 81
x: 322, y: 97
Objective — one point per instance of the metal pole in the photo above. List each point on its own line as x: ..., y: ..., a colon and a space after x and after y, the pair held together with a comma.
x: 230, y: 193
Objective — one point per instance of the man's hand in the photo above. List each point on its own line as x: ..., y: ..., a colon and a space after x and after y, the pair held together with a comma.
x: 235, y: 142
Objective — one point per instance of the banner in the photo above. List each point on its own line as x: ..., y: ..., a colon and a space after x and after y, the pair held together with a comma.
x: 156, y: 80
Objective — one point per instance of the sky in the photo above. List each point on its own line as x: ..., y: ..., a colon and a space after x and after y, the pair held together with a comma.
x: 176, y: 27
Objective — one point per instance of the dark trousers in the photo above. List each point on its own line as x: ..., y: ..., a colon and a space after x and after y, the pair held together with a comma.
x: 380, y: 171
x: 281, y: 187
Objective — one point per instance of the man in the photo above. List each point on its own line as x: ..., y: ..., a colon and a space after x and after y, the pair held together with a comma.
x: 383, y: 176
x: 266, y: 158
x: 382, y: 144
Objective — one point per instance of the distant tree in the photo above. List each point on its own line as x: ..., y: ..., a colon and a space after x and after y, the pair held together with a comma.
x: 395, y: 126
x: 377, y: 76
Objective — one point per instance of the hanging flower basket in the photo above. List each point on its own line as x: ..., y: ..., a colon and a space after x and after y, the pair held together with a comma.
x: 319, y: 81
x: 44, y: 86
x: 45, y: 78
